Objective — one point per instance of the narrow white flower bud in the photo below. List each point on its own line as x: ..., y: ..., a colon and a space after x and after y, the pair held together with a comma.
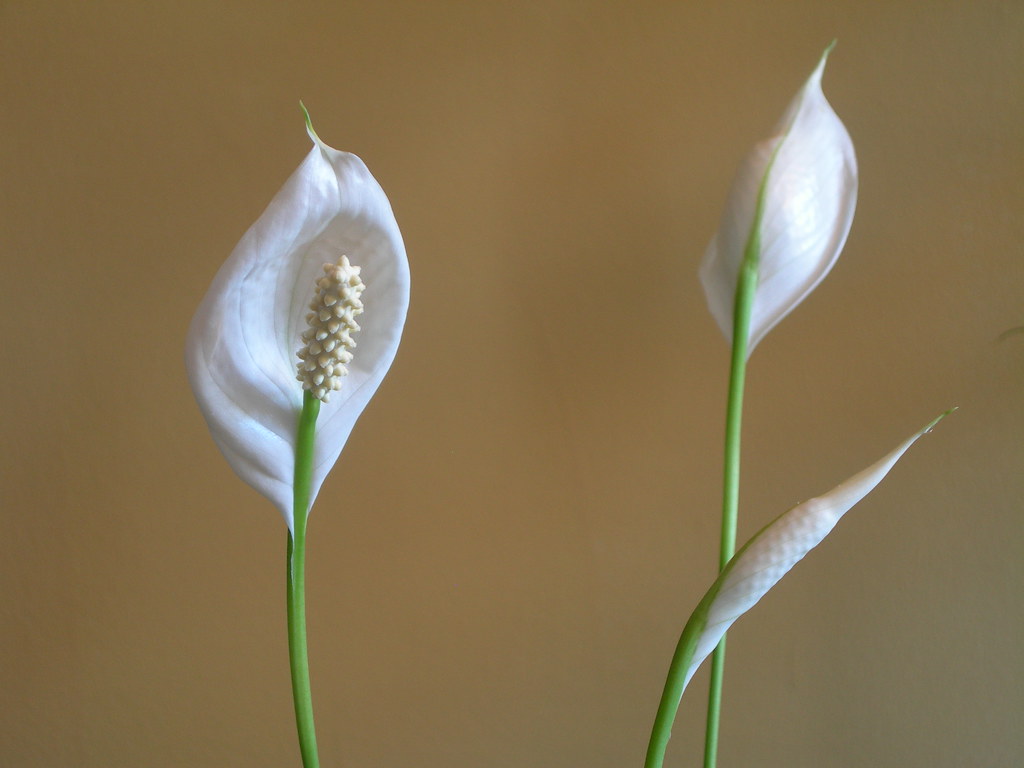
x: 768, y: 556
x: 327, y: 341
x: 795, y: 195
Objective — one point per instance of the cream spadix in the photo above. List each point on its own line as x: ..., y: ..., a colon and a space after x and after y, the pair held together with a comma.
x: 328, y: 343
x: 242, y: 346
x: 769, y: 555
x: 787, y: 216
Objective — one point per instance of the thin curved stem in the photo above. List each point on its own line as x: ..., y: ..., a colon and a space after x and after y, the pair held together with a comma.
x: 669, y: 704
x: 743, y: 305
x: 297, y: 654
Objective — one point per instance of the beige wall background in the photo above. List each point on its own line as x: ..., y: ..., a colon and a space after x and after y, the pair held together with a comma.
x: 502, y: 560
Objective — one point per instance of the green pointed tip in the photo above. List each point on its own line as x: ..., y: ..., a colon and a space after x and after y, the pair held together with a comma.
x: 309, y: 123
x: 937, y: 419
x: 824, y: 57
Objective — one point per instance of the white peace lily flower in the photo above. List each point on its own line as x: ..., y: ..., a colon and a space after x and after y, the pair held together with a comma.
x: 769, y: 555
x: 243, y: 342
x: 793, y: 199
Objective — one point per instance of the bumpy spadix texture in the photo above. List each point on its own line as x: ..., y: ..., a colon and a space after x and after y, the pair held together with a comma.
x: 328, y: 343
x: 809, y: 173
x: 769, y: 555
x: 242, y: 343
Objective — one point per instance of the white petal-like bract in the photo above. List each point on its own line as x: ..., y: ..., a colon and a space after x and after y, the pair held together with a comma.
x: 808, y: 172
x: 242, y: 343
x: 769, y: 555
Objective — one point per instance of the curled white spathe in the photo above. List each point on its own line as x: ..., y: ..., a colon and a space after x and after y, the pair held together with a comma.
x: 809, y: 172
x: 769, y: 555
x: 242, y: 343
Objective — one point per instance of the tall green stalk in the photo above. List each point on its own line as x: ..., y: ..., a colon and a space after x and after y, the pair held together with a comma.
x: 745, y: 287
x: 297, y: 654
x: 743, y: 304
x: 673, y: 691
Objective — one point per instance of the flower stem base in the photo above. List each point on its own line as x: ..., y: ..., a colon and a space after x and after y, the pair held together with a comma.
x: 297, y: 654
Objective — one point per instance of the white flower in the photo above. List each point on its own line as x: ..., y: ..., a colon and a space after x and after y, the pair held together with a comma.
x: 769, y: 555
x: 242, y: 346
x: 795, y: 193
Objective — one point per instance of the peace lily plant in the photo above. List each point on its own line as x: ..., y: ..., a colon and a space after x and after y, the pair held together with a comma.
x: 272, y: 351
x: 303, y: 321
x: 786, y: 220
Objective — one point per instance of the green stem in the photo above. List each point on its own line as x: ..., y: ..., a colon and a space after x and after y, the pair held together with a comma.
x: 297, y: 654
x: 714, y: 704
x: 673, y: 691
x: 745, y: 287
x: 743, y: 304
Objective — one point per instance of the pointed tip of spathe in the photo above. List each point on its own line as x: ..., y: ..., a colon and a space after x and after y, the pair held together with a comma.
x: 309, y: 124
x: 820, y: 69
x: 937, y: 419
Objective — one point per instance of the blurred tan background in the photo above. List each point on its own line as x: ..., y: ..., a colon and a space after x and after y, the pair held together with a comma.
x: 504, y: 556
